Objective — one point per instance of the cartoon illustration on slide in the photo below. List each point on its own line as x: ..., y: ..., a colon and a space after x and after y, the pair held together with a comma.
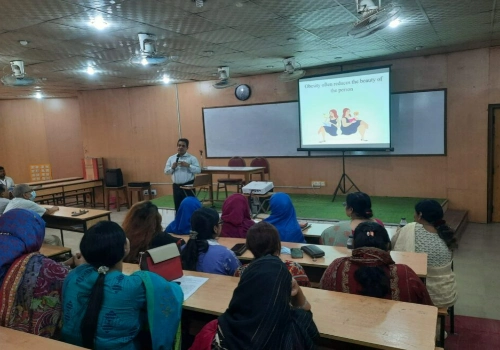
x: 350, y: 125
x: 331, y: 126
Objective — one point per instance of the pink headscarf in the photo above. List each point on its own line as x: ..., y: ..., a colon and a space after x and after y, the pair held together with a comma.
x: 236, y: 216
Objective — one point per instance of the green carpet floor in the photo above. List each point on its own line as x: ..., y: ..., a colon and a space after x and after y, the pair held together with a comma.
x: 387, y: 209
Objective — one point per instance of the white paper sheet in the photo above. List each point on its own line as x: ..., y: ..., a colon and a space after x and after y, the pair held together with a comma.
x: 190, y: 284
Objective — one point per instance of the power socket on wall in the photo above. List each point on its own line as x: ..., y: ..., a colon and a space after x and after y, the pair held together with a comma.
x: 318, y: 183
x: 146, y: 192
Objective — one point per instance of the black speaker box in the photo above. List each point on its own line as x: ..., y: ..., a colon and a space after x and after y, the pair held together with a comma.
x: 114, y: 178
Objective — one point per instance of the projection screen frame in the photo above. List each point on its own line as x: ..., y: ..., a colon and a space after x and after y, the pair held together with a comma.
x: 337, y: 152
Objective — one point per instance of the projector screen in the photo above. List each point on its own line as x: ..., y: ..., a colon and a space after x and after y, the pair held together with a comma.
x: 346, y: 111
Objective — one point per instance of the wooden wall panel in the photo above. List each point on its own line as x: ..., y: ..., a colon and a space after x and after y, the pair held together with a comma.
x: 64, y: 136
x: 134, y: 129
x: 40, y: 131
x: 116, y: 125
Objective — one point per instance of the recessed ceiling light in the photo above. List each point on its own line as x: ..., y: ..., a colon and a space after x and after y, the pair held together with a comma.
x: 98, y: 23
x: 23, y: 42
x: 124, y: 85
x: 38, y: 94
x: 239, y: 4
x: 144, y: 61
x: 291, y: 39
x: 166, y: 79
x: 90, y: 70
x: 208, y: 52
x: 395, y: 23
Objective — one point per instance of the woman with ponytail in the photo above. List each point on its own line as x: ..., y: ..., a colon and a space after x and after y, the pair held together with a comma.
x: 358, y: 207
x: 202, y: 252
x: 370, y: 271
x: 105, y: 309
x: 430, y: 234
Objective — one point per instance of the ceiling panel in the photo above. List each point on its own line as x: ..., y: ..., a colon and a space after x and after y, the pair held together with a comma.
x: 250, y: 36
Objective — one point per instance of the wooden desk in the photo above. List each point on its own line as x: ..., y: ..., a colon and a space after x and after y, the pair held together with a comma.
x: 16, y: 340
x: 313, y: 233
x: 355, y: 319
x: 53, y: 250
x: 66, y: 188
x: 416, y: 261
x: 246, y: 171
x: 45, y: 182
x: 62, y: 219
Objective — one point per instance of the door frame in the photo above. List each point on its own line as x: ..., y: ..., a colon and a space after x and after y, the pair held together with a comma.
x: 491, y: 159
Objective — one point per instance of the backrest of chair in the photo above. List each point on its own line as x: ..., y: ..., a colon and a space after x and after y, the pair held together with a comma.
x: 201, y: 180
x: 259, y: 161
x: 236, y: 161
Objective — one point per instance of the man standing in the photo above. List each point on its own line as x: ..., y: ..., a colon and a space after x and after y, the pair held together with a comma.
x: 182, y: 166
x: 6, y: 181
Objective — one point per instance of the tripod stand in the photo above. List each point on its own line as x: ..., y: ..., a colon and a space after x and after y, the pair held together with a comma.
x: 342, y: 182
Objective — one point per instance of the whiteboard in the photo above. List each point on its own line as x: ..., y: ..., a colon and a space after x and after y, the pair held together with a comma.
x: 418, y: 127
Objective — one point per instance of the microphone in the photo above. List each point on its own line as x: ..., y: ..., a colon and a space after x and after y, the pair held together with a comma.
x: 177, y: 160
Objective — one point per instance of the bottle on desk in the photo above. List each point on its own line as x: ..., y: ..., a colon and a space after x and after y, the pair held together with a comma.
x: 403, y: 222
x: 350, y: 241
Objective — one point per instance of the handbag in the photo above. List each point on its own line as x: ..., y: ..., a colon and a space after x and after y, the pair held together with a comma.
x: 313, y: 251
x: 164, y: 261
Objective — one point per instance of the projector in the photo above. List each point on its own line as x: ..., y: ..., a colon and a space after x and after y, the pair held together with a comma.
x: 258, y: 187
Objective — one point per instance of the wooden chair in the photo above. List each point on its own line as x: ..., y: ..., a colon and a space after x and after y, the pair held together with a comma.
x: 259, y: 161
x: 223, y: 183
x: 119, y: 203
x: 201, y: 183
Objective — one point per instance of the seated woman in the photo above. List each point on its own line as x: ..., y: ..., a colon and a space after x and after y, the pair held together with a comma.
x: 276, y: 317
x: 371, y: 271
x: 30, y: 284
x: 236, y: 216
x: 202, y: 252
x: 263, y: 239
x: 358, y: 206
x: 182, y: 222
x: 283, y: 217
x: 105, y: 309
x: 142, y: 225
x: 430, y: 234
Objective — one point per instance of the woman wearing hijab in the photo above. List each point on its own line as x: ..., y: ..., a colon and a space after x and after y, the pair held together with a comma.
x: 30, y: 284
x: 182, y: 222
x: 283, y: 217
x: 236, y: 216
x: 142, y: 225
x: 202, y: 252
x: 105, y: 309
x: 370, y: 271
x: 276, y: 317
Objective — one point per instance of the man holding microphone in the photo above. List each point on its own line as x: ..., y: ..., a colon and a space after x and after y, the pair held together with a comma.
x: 182, y: 166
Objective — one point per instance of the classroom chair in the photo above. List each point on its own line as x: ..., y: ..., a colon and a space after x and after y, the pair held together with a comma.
x: 223, y: 183
x: 259, y: 161
x: 109, y: 190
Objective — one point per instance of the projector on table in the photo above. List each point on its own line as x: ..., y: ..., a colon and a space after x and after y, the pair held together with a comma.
x: 258, y: 187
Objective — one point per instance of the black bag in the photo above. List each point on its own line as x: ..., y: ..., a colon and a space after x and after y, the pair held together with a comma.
x: 313, y: 251
x: 114, y: 178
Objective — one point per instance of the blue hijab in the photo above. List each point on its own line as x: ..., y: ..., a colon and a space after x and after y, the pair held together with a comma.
x: 182, y: 222
x: 21, y: 232
x: 283, y: 217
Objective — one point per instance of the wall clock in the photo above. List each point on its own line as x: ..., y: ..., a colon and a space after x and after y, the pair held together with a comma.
x: 242, y: 92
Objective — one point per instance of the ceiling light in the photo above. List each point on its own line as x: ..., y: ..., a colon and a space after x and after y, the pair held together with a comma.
x: 208, y: 52
x: 166, y: 79
x: 395, y: 23
x: 199, y: 3
x: 38, y: 94
x: 90, y: 70
x: 99, y: 23
x: 291, y: 40
x: 23, y: 42
x: 144, y: 61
